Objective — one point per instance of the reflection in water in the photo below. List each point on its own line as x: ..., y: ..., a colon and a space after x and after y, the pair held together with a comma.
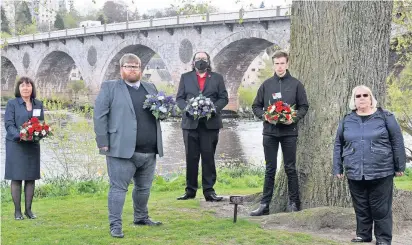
x: 240, y: 142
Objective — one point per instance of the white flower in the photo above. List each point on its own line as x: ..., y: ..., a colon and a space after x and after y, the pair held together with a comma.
x: 207, y: 102
x: 163, y: 109
x: 23, y: 131
x: 194, y: 103
x: 43, y: 132
x: 36, y: 133
x: 272, y: 109
x: 201, y: 102
x: 195, y: 112
x: 161, y: 98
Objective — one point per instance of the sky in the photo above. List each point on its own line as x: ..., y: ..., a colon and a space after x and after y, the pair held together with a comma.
x: 84, y: 6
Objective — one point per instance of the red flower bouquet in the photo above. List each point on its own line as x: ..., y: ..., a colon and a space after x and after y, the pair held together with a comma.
x: 280, y: 112
x: 34, y: 130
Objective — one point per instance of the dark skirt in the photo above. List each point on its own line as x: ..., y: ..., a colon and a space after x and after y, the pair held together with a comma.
x: 22, y: 160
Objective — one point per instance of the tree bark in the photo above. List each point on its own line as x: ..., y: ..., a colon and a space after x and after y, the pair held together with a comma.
x: 335, y: 46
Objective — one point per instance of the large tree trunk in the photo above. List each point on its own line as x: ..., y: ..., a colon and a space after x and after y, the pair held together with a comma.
x: 335, y: 46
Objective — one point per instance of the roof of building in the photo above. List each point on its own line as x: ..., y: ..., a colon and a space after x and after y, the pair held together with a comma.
x: 156, y: 63
x: 164, y: 75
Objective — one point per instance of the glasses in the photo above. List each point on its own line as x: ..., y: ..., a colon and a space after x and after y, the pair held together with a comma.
x: 131, y: 67
x: 361, y: 95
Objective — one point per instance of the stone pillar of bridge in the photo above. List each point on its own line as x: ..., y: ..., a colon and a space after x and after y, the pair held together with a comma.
x: 233, y: 104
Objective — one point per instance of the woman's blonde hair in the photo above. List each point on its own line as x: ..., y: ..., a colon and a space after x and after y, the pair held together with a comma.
x: 352, y: 104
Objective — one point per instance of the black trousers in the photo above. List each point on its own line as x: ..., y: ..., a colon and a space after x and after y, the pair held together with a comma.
x: 271, y: 146
x: 200, y: 142
x: 372, y: 200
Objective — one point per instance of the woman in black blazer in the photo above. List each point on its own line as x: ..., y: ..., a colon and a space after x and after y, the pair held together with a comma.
x: 22, y: 157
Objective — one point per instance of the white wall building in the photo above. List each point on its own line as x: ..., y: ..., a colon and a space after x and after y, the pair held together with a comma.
x: 251, y: 77
x: 75, y: 74
x: 156, y: 72
x: 46, y: 11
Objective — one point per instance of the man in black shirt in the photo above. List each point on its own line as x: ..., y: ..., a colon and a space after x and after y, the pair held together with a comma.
x: 281, y: 87
x: 130, y: 137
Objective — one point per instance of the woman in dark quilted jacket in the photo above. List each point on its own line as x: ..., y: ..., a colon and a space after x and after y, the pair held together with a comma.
x: 369, y: 148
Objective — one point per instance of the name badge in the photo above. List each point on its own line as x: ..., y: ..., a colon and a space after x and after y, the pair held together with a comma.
x: 277, y: 95
x: 36, y: 112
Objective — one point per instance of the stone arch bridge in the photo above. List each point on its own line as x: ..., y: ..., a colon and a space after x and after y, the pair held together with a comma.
x: 233, y: 40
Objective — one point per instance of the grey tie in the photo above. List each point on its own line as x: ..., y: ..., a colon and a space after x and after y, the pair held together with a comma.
x: 135, y: 87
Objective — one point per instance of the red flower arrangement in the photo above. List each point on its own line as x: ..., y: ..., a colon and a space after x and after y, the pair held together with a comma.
x: 280, y: 112
x: 34, y: 130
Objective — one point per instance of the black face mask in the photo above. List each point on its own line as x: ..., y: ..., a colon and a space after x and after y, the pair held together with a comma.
x: 201, y: 65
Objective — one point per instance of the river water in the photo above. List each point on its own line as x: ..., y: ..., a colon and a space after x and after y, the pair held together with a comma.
x: 240, y: 143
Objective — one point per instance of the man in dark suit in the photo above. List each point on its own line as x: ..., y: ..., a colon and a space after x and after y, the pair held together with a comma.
x: 201, y: 136
x: 130, y: 137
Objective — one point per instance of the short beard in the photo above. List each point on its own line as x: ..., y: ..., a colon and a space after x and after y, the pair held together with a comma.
x: 126, y: 78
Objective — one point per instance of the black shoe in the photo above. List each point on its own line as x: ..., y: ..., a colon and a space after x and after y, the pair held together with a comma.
x: 30, y: 215
x: 186, y: 196
x: 18, y: 216
x: 148, y: 222
x: 360, y: 239
x: 382, y: 243
x: 262, y: 210
x: 213, y: 198
x: 117, y: 232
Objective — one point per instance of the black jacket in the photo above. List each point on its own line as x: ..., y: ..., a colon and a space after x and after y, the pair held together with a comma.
x: 214, y: 89
x: 372, y: 149
x: 292, y: 92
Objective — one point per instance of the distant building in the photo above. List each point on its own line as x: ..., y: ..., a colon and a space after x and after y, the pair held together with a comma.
x: 251, y: 76
x: 45, y: 11
x: 63, y: 6
x: 75, y: 74
x: 156, y: 72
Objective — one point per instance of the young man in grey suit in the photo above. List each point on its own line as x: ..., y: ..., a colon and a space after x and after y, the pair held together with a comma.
x: 130, y: 137
x: 201, y: 136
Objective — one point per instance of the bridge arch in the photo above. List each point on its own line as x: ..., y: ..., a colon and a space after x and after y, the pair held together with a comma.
x: 53, y: 72
x: 233, y: 56
x: 143, y: 48
x: 8, y: 75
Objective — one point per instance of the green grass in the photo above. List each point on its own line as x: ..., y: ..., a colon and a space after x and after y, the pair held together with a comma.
x: 247, y: 95
x: 82, y: 219
x: 405, y: 182
x: 76, y: 213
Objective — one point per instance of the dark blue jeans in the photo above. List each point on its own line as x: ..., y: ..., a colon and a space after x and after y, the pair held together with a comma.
x: 271, y: 146
x: 141, y: 167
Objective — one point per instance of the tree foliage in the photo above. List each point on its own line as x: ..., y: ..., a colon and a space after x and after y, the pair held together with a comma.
x: 115, y: 12
x: 102, y: 19
x: 402, y: 20
x: 23, y: 17
x: 71, y: 19
x: 4, y: 22
x: 59, y: 23
x: 400, y: 78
